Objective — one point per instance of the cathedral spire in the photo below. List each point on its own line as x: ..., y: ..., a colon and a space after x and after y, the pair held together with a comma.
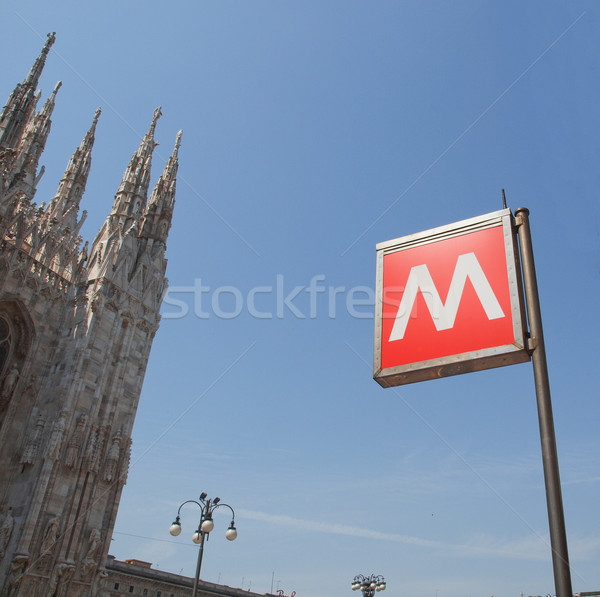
x: 38, y: 66
x: 113, y: 252
x: 21, y: 103
x: 65, y: 204
x: 157, y: 216
x: 132, y: 194
x: 22, y: 175
x: 37, y: 130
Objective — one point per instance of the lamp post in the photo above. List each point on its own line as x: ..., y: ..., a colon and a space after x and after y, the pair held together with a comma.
x: 205, y: 526
x: 368, y: 584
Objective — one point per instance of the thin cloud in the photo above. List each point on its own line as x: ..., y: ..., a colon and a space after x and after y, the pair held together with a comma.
x: 528, y: 548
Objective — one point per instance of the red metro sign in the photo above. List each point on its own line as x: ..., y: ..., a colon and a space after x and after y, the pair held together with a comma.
x: 449, y: 301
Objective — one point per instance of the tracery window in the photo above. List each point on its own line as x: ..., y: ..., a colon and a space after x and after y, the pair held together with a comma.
x: 6, y: 342
x: 15, y: 342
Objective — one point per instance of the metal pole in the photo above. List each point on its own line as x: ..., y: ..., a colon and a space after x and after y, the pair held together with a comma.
x: 556, y: 518
x: 204, y: 510
x: 198, y: 565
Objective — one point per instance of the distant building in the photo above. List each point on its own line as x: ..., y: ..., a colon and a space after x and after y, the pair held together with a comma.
x: 76, y: 328
x: 133, y: 577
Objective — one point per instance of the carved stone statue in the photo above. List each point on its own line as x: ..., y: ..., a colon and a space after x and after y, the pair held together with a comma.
x: 75, y: 442
x: 34, y: 440
x: 82, y: 258
x: 94, y: 449
x: 98, y: 584
x: 112, y: 458
x: 61, y: 575
x: 10, y: 381
x: 8, y: 385
x: 50, y: 535
x: 125, y: 463
x: 89, y: 564
x: 15, y: 574
x: 95, y: 539
x: 88, y: 569
x: 6, y: 530
x: 58, y: 431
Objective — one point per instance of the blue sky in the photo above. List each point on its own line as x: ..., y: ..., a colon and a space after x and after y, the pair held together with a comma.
x: 311, y: 132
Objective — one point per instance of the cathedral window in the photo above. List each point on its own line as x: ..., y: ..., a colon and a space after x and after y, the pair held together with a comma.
x: 5, y: 342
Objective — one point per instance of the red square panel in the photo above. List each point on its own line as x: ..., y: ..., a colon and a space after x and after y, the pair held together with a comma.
x: 453, y: 297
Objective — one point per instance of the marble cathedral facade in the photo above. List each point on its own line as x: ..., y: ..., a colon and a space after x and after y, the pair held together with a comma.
x: 76, y: 328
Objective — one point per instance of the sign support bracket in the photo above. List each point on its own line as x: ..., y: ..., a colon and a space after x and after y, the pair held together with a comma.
x: 556, y: 518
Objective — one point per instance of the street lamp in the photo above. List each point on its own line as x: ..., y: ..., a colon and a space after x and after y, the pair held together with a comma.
x: 205, y: 526
x: 368, y: 584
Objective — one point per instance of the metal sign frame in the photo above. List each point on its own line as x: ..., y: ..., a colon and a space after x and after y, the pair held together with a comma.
x: 472, y: 360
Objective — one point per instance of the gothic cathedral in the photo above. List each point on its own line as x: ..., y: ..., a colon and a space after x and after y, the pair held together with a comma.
x: 76, y: 328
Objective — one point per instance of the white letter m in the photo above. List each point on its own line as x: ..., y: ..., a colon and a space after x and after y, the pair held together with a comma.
x: 444, y: 315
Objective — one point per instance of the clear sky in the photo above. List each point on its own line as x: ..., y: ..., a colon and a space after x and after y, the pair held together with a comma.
x: 313, y: 130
